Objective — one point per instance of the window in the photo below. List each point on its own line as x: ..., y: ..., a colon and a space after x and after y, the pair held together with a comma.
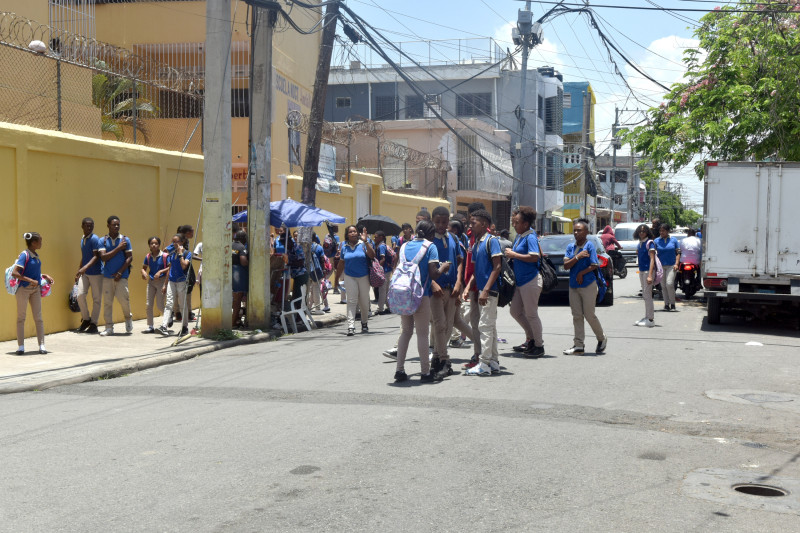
x: 432, y: 102
x: 240, y: 103
x: 621, y: 176
x: 601, y: 176
x: 343, y: 101
x: 540, y: 107
x: 179, y: 105
x: 474, y: 104
x: 414, y: 106
x: 467, y: 168
x: 567, y: 100
x: 385, y: 108
x: 554, y: 114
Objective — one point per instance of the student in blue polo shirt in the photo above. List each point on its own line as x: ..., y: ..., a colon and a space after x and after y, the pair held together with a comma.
x: 525, y: 304
x: 581, y: 261
x: 176, y: 284
x: 89, y: 276
x: 445, y: 292
x: 385, y: 259
x: 353, y: 264
x: 28, y: 273
x: 154, y: 268
x: 116, y: 253
x: 482, y: 290
x: 669, y: 253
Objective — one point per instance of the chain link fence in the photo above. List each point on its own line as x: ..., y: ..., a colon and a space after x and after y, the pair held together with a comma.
x: 54, y: 80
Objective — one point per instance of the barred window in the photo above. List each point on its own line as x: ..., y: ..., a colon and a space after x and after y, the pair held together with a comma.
x: 179, y: 105
x: 240, y: 103
x: 385, y: 108
x: 474, y: 104
x: 343, y: 101
x: 414, y: 107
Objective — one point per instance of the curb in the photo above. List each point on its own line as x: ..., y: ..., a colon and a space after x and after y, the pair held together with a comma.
x: 121, y: 368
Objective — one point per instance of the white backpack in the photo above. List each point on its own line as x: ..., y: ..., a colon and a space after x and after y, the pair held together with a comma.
x: 406, y: 289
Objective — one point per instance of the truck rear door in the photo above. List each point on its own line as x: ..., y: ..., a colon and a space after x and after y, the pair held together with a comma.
x: 783, y: 239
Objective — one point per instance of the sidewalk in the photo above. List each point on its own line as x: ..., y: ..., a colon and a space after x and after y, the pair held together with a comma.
x: 77, y: 357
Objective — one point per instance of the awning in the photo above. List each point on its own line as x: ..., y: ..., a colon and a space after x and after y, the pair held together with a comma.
x: 561, y: 219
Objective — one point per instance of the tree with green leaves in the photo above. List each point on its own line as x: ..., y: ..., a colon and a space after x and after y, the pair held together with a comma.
x: 121, y: 103
x: 741, y: 98
x: 668, y: 207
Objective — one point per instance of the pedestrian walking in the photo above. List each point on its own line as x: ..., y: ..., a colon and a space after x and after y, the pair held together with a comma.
x: 646, y: 252
x: 385, y: 258
x: 525, y: 255
x: 176, y: 283
x: 482, y: 292
x: 116, y: 252
x: 423, y: 253
x: 355, y: 252
x: 28, y: 271
x: 154, y: 268
x: 669, y: 253
x: 89, y: 277
x: 581, y: 261
x: 241, y: 275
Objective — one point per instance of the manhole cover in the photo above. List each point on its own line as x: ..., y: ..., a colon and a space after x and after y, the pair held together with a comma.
x: 780, y: 401
x: 763, y: 398
x: 760, y: 490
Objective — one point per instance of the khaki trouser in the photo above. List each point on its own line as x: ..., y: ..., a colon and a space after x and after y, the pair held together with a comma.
x: 582, y: 301
x: 383, y: 292
x: 357, y: 296
x: 154, y: 296
x: 459, y: 322
x: 647, y: 295
x: 419, y: 322
x: 668, y: 284
x: 487, y: 327
x: 443, y: 311
x: 525, y: 309
x: 474, y: 321
x: 95, y: 282
x: 176, y: 296
x: 119, y: 290
x: 34, y: 296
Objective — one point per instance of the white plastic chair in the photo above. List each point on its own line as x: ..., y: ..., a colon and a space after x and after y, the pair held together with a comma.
x: 298, y: 307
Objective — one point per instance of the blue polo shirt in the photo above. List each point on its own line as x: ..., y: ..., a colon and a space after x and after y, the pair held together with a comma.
x: 448, y: 250
x: 112, y: 266
x: 483, y: 262
x: 643, y: 253
x: 89, y: 245
x: 31, y: 266
x: 382, y: 254
x: 526, y: 244
x: 355, y: 260
x: 176, y: 271
x: 280, y: 245
x: 667, y: 250
x: 431, y: 256
x: 154, y: 264
x: 572, y: 251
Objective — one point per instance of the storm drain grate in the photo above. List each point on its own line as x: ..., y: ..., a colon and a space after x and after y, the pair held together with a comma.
x: 760, y: 490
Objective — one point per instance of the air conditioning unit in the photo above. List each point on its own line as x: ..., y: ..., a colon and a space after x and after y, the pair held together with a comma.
x: 432, y: 101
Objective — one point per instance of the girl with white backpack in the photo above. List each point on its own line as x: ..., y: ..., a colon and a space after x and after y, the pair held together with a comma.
x: 27, y: 271
x: 650, y: 272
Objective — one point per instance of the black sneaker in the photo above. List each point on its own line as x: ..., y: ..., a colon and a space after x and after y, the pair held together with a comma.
x: 83, y: 326
x: 436, y: 365
x: 178, y: 315
x: 522, y: 347
x: 351, y: 332
x: 400, y: 376
x: 192, y: 316
x: 666, y: 307
x: 92, y: 328
x: 444, y: 371
x: 672, y: 307
x: 601, y: 346
x: 364, y: 328
x: 534, y: 351
x: 426, y: 378
x: 184, y: 331
x: 163, y: 331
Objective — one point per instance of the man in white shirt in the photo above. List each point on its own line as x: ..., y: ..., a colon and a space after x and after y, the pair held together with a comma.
x: 692, y: 252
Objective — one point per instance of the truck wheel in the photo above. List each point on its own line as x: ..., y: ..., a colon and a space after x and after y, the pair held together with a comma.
x: 714, y: 310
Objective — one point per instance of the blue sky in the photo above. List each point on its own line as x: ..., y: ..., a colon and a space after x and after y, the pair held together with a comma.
x: 653, y: 40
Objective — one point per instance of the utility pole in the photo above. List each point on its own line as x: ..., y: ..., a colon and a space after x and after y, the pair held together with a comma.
x: 614, y: 143
x: 314, y: 142
x: 631, y: 186
x: 528, y: 34
x: 217, y: 295
x: 258, y: 191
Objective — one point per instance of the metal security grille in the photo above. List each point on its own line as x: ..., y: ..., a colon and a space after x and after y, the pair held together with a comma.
x: 73, y: 16
x: 414, y: 107
x: 554, y: 114
x: 467, y: 163
x: 555, y: 171
x: 474, y: 104
x: 385, y: 108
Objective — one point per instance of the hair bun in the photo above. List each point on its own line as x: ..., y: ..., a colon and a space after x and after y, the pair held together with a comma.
x: 27, y: 236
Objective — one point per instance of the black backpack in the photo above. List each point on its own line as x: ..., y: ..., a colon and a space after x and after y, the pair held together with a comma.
x: 507, y: 280
x: 548, y: 272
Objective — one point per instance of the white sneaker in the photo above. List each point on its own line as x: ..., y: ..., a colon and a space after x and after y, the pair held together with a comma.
x: 494, y: 366
x: 640, y: 322
x: 649, y: 323
x: 129, y: 326
x: 317, y: 312
x: 106, y: 332
x: 481, y: 369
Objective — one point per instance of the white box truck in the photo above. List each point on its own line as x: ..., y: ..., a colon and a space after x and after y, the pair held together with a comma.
x: 751, y: 239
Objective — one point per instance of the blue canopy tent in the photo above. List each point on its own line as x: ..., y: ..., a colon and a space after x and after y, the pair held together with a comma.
x: 293, y: 214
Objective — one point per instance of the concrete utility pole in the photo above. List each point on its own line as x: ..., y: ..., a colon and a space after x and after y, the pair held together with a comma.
x: 614, y: 144
x: 258, y: 192
x: 217, y: 295
x: 528, y: 34
x: 631, y: 185
x: 311, y: 164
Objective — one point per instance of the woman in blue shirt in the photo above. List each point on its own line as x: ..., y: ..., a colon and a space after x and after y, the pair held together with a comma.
x: 429, y: 270
x: 646, y: 252
x: 669, y: 253
x: 525, y: 304
x: 28, y: 272
x: 581, y: 261
x: 354, y: 253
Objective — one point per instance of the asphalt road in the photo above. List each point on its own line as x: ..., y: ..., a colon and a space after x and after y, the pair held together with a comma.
x: 309, y: 433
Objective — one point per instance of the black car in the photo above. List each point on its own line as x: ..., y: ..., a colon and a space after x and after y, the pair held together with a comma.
x: 554, y: 247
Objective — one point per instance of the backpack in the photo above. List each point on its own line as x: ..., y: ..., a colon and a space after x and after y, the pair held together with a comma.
x: 72, y: 299
x: 507, y: 280
x: 376, y: 275
x: 602, y: 286
x: 659, y: 269
x: 548, y: 272
x: 391, y: 256
x: 329, y: 246
x: 327, y: 267
x: 406, y: 289
x: 164, y: 256
x: 12, y: 283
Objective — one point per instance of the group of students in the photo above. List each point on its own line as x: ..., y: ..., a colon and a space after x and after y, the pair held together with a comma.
x: 104, y: 269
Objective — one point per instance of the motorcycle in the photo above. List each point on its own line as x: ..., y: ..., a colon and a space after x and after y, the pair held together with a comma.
x: 688, y: 279
x: 618, y: 262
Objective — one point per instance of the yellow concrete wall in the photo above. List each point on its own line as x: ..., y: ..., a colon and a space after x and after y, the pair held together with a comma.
x: 33, y: 9
x: 50, y: 181
x: 399, y: 207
